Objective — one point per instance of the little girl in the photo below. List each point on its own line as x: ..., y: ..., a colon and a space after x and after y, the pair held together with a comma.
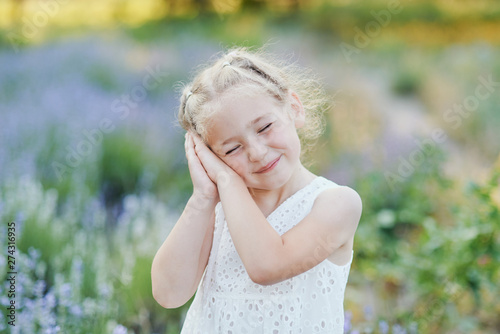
x: 265, y: 243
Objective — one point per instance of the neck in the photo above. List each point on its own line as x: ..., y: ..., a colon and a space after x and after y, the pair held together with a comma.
x: 269, y: 199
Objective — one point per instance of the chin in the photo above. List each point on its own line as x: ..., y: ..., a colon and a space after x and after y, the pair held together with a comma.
x: 275, y: 182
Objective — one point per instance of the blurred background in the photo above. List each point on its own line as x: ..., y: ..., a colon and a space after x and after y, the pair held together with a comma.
x: 93, y: 173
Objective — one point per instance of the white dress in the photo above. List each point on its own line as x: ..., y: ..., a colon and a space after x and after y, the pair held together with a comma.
x: 229, y: 302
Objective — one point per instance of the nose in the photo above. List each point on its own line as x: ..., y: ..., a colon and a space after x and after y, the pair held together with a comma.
x: 257, y: 150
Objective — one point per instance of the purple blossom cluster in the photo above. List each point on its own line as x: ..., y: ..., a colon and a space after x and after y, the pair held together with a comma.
x: 55, y: 96
x: 52, y: 291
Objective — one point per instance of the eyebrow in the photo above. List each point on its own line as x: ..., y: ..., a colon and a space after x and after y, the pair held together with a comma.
x: 249, y: 125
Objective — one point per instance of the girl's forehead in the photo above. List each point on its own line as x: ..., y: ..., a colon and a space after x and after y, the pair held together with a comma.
x: 246, y: 110
x: 248, y: 92
x: 237, y: 114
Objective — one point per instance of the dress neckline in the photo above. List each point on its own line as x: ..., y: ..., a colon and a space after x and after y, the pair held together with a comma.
x: 295, y: 194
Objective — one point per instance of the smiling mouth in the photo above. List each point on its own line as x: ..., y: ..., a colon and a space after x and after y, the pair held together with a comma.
x: 270, y: 166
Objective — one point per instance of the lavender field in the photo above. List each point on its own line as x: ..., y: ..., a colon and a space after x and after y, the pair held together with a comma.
x: 93, y: 174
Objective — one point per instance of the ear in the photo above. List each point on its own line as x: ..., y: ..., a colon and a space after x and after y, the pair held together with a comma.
x: 297, y: 110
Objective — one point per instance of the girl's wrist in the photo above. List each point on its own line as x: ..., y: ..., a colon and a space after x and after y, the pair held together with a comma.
x: 201, y: 200
x: 226, y: 178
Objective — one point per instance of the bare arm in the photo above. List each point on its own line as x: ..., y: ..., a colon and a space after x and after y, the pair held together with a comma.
x: 179, y: 263
x: 270, y: 258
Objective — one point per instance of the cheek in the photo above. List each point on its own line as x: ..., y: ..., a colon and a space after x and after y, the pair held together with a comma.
x: 290, y: 142
x: 284, y: 138
x: 236, y: 164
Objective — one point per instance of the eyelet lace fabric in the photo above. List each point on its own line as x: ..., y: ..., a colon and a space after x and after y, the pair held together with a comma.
x: 229, y: 302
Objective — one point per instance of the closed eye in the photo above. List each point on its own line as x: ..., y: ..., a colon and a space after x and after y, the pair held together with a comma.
x: 232, y: 150
x: 265, y: 128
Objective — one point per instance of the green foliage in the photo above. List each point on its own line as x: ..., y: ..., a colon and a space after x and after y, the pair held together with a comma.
x: 402, y: 244
x: 393, y: 219
x: 406, y: 83
x: 121, y: 165
x: 467, y: 253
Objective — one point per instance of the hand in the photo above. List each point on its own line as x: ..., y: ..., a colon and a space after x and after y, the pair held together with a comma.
x: 202, y: 184
x: 217, y: 170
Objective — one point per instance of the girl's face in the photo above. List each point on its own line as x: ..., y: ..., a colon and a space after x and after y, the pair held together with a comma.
x: 257, y: 138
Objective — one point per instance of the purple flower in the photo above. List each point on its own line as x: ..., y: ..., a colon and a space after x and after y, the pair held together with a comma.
x: 383, y: 327
x: 398, y: 329
x: 76, y: 310
x: 65, y: 294
x: 39, y: 288
x: 368, y: 311
x: 52, y: 330
x: 120, y: 329
x: 347, y: 321
x: 66, y: 290
x: 20, y: 217
x: 34, y: 253
x: 50, y: 300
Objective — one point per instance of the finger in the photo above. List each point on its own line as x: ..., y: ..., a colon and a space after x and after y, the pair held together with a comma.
x: 197, y: 139
x: 195, y: 145
x: 202, y: 151
x: 200, y: 147
x: 192, y: 143
x: 188, y: 140
x: 190, y: 150
x: 187, y: 145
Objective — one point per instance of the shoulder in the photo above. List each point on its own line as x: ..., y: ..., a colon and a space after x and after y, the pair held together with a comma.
x: 338, y: 205
x: 341, y: 195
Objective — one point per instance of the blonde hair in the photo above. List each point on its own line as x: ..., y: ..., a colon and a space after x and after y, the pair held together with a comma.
x: 240, y: 67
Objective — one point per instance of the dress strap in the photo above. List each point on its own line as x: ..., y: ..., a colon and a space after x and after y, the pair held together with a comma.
x: 319, y: 185
x: 323, y: 183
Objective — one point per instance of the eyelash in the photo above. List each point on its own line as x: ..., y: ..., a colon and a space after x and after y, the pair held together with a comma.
x: 260, y: 131
x: 265, y: 128
x: 230, y: 151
